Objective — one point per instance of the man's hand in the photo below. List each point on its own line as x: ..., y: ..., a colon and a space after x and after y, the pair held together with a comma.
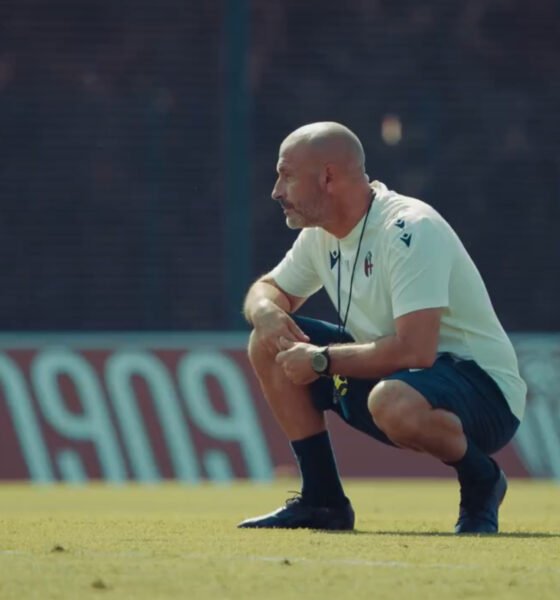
x: 295, y: 360
x: 271, y: 324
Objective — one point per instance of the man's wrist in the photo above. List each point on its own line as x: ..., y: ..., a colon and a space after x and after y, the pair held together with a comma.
x: 321, y: 362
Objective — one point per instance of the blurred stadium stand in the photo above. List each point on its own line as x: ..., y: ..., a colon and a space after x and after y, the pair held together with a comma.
x: 112, y: 150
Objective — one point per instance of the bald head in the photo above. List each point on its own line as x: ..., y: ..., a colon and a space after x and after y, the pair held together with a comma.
x: 329, y: 142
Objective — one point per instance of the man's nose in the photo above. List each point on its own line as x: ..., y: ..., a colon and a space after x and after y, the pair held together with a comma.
x: 276, y: 192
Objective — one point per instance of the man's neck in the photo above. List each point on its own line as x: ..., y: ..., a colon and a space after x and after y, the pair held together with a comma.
x: 350, y: 213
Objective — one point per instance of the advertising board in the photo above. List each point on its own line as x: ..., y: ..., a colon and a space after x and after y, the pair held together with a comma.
x: 147, y: 407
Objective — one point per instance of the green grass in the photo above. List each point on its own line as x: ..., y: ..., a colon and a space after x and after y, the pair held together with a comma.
x: 174, y: 541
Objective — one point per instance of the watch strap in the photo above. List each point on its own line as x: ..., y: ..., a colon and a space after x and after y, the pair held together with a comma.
x: 326, y: 371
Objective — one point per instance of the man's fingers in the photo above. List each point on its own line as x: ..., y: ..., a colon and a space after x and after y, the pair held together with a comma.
x: 279, y: 357
x: 302, y: 337
x: 272, y: 347
x: 285, y: 343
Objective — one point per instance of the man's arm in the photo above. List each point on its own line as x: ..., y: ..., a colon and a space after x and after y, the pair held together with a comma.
x: 414, y: 346
x: 267, y: 308
x: 265, y: 295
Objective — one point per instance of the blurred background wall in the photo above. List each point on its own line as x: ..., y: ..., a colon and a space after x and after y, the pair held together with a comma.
x: 138, y: 144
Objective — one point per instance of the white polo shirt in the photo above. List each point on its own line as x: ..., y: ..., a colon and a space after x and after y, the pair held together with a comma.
x: 410, y: 259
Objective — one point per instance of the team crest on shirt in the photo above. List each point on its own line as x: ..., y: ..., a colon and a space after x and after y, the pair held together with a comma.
x: 368, y: 264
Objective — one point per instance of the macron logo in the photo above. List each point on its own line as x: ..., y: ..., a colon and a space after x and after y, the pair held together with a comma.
x: 335, y: 256
x: 406, y: 237
x: 399, y: 223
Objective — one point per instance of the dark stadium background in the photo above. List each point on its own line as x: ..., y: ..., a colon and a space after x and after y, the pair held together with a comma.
x: 138, y: 145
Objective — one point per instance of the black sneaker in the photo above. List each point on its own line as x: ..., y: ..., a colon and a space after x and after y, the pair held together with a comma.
x: 297, y: 514
x: 478, y: 512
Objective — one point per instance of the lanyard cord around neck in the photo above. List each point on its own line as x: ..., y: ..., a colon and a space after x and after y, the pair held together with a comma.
x: 342, y: 322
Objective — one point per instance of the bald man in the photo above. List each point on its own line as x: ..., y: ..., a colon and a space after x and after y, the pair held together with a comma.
x: 417, y: 359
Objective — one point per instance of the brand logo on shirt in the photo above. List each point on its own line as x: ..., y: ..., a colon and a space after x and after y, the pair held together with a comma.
x: 399, y: 223
x: 368, y: 264
x: 406, y: 237
x: 335, y: 257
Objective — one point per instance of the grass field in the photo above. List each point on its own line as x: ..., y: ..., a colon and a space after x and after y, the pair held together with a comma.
x: 174, y: 541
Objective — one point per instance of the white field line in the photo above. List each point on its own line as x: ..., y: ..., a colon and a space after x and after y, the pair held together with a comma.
x: 342, y: 562
x: 352, y: 562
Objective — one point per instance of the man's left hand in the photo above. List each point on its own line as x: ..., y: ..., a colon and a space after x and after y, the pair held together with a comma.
x: 295, y: 360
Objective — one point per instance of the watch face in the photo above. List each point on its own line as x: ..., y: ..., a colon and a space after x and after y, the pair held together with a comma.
x: 319, y: 362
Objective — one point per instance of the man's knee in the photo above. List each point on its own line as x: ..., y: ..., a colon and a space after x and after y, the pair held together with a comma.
x: 259, y: 355
x: 395, y: 410
x: 255, y: 349
x: 384, y: 403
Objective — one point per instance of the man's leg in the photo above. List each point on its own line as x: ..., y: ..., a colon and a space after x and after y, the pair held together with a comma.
x: 290, y: 403
x: 410, y: 421
x: 305, y: 428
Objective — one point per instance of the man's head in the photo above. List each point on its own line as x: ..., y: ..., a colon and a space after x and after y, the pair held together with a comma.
x: 318, y: 165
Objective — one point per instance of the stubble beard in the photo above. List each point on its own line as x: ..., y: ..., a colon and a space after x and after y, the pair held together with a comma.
x: 298, y: 220
x: 295, y: 221
x: 307, y: 216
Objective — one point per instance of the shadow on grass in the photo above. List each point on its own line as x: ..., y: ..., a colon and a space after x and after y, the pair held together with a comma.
x: 507, y: 534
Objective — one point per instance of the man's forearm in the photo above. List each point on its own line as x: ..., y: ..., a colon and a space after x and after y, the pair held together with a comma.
x: 260, y: 297
x: 375, y: 359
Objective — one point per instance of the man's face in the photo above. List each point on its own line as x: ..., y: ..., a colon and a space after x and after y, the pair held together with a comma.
x: 297, y: 187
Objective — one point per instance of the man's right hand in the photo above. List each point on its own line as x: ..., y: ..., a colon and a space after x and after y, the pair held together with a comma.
x: 271, y: 323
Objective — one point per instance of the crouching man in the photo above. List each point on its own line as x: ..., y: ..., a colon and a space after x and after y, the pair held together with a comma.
x: 417, y: 359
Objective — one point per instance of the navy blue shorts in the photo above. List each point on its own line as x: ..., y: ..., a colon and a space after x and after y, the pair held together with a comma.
x: 459, y: 386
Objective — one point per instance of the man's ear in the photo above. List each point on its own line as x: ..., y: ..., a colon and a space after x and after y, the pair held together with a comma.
x: 328, y: 176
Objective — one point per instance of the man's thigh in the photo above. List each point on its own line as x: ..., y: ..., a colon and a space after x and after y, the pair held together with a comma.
x: 463, y: 388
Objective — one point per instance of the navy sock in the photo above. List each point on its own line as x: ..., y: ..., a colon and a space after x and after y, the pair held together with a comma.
x: 321, y: 484
x: 475, y: 467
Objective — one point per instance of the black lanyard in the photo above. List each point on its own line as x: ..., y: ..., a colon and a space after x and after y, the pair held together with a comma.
x: 342, y: 323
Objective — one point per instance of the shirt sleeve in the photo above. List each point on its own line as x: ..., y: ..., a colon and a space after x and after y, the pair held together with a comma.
x: 296, y: 273
x: 419, y: 263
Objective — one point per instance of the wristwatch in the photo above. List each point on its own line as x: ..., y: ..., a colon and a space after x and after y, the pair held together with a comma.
x: 321, y: 362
